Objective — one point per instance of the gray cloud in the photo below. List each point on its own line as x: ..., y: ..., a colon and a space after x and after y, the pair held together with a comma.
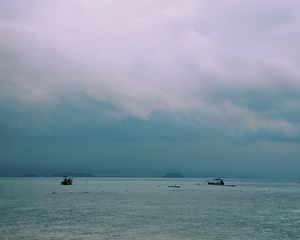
x: 138, y: 71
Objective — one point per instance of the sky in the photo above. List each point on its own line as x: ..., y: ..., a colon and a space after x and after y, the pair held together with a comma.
x: 145, y: 87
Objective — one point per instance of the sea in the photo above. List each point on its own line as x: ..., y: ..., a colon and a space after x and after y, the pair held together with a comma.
x: 145, y: 208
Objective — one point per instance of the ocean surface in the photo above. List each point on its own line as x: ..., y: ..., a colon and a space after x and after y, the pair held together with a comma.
x: 102, y: 208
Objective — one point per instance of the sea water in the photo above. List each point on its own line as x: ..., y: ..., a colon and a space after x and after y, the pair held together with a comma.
x: 99, y: 208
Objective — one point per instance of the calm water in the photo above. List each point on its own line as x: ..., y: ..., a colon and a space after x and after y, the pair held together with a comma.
x: 98, y: 208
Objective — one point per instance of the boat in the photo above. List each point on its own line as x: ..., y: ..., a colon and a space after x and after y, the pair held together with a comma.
x: 174, y: 186
x: 67, y: 180
x: 216, y: 181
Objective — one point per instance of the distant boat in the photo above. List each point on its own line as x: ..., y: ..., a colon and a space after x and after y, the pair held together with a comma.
x: 174, y: 186
x: 219, y: 181
x: 67, y: 180
x: 216, y: 181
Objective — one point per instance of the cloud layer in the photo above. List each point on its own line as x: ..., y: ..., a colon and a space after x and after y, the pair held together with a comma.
x: 154, y: 56
x: 205, y: 68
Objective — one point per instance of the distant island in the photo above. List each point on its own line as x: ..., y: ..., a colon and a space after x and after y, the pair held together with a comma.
x: 74, y: 174
x: 30, y: 175
x: 173, y: 175
x: 60, y: 174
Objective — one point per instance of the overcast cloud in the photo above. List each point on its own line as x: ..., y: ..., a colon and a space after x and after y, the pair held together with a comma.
x: 212, y: 73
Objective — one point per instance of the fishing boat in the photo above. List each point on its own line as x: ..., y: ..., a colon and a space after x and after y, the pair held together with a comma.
x: 174, y: 186
x: 67, y: 180
x: 216, y: 181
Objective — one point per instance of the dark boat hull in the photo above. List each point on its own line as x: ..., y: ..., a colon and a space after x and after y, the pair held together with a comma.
x: 63, y: 183
x: 220, y: 184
